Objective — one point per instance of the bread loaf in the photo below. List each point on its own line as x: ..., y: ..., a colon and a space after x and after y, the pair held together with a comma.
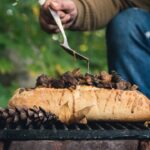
x: 86, y: 103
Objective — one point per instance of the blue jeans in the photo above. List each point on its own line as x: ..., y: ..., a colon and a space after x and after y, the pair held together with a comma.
x: 128, y: 41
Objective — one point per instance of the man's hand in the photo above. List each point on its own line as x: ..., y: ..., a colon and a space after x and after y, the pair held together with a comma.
x: 66, y: 9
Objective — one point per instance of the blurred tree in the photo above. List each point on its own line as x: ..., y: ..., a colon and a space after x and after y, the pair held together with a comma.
x: 26, y: 51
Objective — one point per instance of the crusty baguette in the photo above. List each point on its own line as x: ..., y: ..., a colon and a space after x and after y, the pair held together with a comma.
x: 86, y: 103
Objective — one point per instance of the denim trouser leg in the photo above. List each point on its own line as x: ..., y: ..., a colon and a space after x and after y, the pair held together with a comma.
x: 128, y: 41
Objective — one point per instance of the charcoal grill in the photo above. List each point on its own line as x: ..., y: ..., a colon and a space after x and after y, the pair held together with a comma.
x: 91, y: 131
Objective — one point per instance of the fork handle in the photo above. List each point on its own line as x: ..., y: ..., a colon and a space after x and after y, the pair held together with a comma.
x: 59, y: 23
x: 57, y: 20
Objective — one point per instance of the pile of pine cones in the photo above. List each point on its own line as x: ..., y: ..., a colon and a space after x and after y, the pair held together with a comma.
x: 23, y: 118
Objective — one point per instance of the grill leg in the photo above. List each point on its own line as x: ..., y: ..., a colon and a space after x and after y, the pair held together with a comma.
x: 144, y: 145
x: 1, y: 145
x: 6, y: 145
x: 73, y: 145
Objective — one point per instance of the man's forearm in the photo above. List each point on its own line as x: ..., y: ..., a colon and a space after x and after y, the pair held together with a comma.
x: 95, y: 14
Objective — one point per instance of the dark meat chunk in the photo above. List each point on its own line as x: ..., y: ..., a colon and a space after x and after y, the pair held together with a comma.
x: 42, y: 80
x: 89, y: 79
x: 123, y: 85
x: 58, y: 84
x: 69, y: 79
x: 116, y: 77
x: 72, y: 79
x: 105, y: 77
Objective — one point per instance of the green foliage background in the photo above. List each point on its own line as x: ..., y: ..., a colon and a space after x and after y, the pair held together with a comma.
x: 26, y: 49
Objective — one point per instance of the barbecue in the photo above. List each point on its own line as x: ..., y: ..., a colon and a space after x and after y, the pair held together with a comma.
x: 90, y: 131
x: 28, y: 117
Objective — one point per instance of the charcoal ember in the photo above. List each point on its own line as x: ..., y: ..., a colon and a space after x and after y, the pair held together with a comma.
x: 42, y: 80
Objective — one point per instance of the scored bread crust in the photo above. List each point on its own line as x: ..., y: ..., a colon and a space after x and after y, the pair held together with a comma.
x: 86, y: 103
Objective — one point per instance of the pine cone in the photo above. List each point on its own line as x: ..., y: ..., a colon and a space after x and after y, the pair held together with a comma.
x: 25, y: 118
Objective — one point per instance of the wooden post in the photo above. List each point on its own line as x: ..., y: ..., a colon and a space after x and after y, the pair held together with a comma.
x: 144, y: 145
x: 74, y: 145
x: 1, y: 145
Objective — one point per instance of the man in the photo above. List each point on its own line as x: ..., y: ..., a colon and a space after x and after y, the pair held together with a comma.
x: 128, y: 32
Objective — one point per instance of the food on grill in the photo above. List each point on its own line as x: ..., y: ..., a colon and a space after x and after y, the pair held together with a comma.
x: 25, y: 118
x: 77, y: 98
x: 75, y: 78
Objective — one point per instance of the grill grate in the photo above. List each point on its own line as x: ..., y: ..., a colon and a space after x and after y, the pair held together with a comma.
x: 91, y: 131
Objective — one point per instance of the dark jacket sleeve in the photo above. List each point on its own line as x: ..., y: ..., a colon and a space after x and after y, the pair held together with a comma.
x: 95, y: 14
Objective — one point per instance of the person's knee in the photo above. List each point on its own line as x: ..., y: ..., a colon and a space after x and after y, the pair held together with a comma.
x: 121, y: 32
x: 125, y: 24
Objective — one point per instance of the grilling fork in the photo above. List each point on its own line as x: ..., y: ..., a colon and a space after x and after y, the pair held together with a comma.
x: 65, y: 44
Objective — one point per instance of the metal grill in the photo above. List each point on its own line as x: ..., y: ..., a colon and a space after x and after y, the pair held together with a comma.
x: 91, y: 131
